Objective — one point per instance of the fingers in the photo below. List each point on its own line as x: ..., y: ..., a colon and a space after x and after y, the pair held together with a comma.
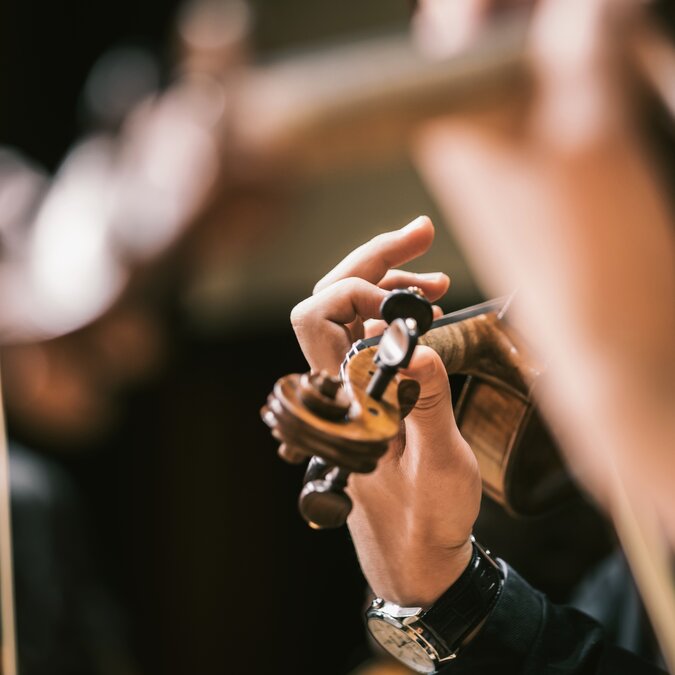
x: 320, y: 320
x: 374, y: 327
x: 329, y: 321
x: 434, y: 284
x: 375, y: 258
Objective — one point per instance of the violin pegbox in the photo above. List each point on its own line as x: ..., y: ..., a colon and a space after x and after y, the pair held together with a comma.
x: 345, y: 424
x: 340, y: 426
x: 317, y: 414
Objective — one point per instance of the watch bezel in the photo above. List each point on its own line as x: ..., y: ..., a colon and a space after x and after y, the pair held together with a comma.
x: 441, y: 630
x: 407, y: 621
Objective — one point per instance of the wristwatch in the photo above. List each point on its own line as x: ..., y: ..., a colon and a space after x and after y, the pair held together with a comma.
x: 425, y: 639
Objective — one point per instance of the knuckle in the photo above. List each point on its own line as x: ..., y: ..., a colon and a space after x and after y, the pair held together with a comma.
x: 381, y: 238
x: 319, y: 286
x: 346, y: 286
x: 298, y: 314
x: 381, y: 245
x: 351, y: 285
x: 428, y: 362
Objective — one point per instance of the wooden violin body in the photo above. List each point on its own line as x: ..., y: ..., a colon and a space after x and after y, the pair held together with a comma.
x: 519, y: 462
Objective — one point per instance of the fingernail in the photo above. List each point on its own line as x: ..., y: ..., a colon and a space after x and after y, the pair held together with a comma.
x: 415, y: 224
x: 431, y: 276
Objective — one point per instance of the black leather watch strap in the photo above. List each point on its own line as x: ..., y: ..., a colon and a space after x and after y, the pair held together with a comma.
x: 467, y: 602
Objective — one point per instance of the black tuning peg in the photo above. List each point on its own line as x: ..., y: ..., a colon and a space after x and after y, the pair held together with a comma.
x: 323, y: 502
x: 408, y: 303
x: 395, y: 351
x: 409, y: 315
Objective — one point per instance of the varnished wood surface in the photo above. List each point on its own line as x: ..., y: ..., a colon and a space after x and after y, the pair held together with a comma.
x: 519, y: 462
x: 484, y: 346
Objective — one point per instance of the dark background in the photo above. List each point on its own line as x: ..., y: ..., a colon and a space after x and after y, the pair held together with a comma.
x: 189, y: 514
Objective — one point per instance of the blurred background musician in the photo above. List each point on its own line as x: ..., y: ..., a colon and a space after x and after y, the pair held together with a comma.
x: 582, y: 187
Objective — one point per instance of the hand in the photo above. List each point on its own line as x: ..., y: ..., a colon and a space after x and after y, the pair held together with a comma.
x: 578, y: 220
x: 413, y: 515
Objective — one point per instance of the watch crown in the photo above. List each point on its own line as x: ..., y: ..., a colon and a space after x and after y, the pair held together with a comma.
x: 377, y: 603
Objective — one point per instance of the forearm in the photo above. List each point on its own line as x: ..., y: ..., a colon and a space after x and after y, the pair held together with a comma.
x: 526, y: 634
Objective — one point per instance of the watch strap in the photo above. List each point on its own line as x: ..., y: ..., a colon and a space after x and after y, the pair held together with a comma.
x: 467, y: 602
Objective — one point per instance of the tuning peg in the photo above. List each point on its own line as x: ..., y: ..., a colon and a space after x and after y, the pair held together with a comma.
x: 408, y: 303
x: 409, y: 315
x: 395, y: 351
x: 323, y: 502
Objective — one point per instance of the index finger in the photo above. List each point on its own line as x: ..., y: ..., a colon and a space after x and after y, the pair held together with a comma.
x: 372, y: 260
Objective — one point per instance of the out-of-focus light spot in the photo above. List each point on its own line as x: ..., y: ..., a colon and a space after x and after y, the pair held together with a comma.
x: 21, y: 186
x: 170, y: 162
x: 73, y: 273
x: 441, y: 28
x: 214, y: 24
x: 119, y: 80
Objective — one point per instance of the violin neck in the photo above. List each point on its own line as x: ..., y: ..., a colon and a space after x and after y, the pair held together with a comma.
x: 480, y: 346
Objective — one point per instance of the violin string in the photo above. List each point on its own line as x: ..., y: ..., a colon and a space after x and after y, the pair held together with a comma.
x: 508, y: 299
x: 9, y: 660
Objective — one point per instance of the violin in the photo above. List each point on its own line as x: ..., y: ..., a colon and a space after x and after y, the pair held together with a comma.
x: 346, y: 423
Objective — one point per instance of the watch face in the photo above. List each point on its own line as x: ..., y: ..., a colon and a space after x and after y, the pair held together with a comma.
x: 401, y: 646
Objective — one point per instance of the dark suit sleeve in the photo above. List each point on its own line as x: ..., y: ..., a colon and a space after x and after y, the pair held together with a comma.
x: 527, y: 635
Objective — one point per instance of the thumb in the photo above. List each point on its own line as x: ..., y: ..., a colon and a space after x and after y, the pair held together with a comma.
x: 431, y: 428
x: 427, y: 368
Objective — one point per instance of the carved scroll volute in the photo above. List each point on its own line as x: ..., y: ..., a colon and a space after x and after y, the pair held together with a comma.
x: 313, y: 414
x: 519, y: 461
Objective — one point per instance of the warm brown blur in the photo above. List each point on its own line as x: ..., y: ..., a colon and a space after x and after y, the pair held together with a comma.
x: 579, y: 221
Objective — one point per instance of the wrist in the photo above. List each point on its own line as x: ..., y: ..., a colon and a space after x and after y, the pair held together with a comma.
x: 425, y: 639
x: 421, y: 580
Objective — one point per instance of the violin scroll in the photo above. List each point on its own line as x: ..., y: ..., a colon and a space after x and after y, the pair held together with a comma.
x: 339, y: 426
x: 347, y: 425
